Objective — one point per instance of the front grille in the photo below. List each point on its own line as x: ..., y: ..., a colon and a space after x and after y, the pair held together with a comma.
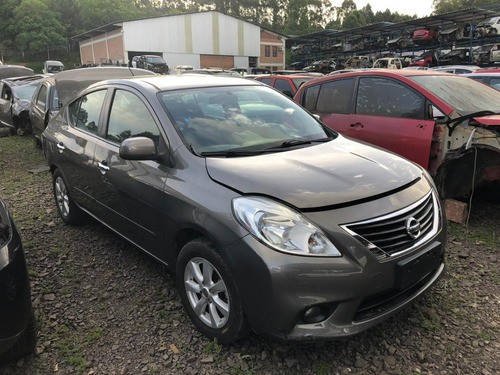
x: 388, y: 235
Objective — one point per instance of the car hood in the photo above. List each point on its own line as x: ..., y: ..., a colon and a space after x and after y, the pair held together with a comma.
x: 332, y: 173
x: 488, y: 120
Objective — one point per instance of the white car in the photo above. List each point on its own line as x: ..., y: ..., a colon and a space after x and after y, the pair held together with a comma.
x: 457, y: 69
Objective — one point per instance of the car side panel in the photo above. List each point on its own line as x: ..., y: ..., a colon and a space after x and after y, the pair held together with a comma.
x: 128, y: 194
x: 407, y: 137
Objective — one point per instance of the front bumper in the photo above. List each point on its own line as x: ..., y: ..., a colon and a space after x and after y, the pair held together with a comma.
x: 15, y: 297
x: 353, y: 292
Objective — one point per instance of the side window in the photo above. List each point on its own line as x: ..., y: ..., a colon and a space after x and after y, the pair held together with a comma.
x: 335, y: 96
x: 311, y: 97
x: 495, y: 82
x: 283, y: 85
x: 385, y: 97
x: 85, y: 111
x: 41, y: 99
x: 129, y: 117
x: 267, y: 81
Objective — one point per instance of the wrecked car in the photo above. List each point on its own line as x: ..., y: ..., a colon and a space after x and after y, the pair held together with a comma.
x: 454, y: 32
x: 426, y: 59
x: 15, y: 102
x: 425, y: 36
x: 488, y: 27
x: 446, y: 123
x: 456, y: 56
x: 270, y: 220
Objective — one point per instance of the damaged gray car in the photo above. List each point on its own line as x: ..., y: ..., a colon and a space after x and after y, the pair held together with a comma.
x: 270, y: 220
x: 15, y: 102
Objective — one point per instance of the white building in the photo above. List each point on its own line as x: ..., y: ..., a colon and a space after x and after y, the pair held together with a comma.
x: 205, y: 39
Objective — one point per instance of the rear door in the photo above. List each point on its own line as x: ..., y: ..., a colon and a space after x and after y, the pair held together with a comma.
x: 38, y: 109
x: 76, y: 145
x: 377, y: 110
x: 129, y: 192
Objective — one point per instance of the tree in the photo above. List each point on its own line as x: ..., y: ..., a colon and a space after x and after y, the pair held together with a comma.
x: 445, y: 6
x: 36, y: 27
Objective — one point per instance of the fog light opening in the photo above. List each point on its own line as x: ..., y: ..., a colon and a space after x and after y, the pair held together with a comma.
x: 314, y: 314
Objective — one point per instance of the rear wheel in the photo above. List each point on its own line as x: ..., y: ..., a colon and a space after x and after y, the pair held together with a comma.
x: 67, y: 208
x: 26, y: 343
x: 209, y: 293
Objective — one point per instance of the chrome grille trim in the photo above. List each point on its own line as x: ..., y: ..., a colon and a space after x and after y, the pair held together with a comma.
x: 386, y: 236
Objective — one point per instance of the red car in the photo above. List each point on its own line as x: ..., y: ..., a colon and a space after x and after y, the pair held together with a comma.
x: 287, y: 84
x: 425, y: 36
x: 448, y: 124
x: 426, y: 59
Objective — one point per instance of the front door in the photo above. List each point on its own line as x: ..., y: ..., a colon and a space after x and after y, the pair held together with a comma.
x: 129, y: 192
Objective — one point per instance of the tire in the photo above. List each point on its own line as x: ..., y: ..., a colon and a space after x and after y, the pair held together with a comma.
x: 68, y: 210
x: 25, y: 345
x: 493, y: 32
x: 220, y: 315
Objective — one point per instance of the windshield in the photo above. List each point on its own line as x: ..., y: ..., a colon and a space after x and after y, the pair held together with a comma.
x: 155, y: 60
x: 251, y: 118
x: 24, y: 92
x: 464, y: 94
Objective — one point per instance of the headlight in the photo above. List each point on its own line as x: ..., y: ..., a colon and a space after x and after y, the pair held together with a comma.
x: 281, y: 228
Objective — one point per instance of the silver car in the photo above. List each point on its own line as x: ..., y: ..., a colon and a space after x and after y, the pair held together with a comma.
x: 270, y: 221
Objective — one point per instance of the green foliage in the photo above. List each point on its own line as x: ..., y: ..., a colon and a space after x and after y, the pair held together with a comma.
x: 445, y: 6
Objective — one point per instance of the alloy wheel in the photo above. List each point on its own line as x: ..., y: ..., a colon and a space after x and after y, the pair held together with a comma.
x: 207, y: 293
x: 62, y: 198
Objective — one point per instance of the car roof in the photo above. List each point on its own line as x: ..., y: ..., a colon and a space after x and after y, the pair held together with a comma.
x: 183, y: 81
x: 69, y: 82
x: 8, y: 71
x: 394, y: 73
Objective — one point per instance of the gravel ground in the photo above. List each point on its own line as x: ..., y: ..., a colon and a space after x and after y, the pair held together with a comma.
x: 103, y: 307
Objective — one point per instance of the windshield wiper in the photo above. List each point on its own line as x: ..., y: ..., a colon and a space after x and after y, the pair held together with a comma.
x: 297, y: 142
x: 451, y: 124
x: 231, y: 153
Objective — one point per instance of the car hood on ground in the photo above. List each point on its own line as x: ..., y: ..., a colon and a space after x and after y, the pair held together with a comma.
x: 327, y: 174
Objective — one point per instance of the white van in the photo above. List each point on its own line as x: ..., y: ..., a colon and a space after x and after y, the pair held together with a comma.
x: 52, y: 66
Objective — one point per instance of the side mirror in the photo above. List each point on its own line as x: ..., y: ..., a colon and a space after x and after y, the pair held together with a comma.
x: 138, y: 148
x: 435, y: 113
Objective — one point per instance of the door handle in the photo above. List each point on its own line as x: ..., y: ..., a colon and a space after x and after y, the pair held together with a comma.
x: 61, y: 147
x: 103, y: 166
x: 357, y: 125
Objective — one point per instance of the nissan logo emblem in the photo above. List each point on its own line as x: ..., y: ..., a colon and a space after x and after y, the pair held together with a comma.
x: 412, y: 227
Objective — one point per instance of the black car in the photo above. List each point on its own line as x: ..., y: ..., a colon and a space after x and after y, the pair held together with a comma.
x: 15, y: 102
x: 17, y: 322
x: 46, y: 100
x: 154, y: 63
x: 270, y: 220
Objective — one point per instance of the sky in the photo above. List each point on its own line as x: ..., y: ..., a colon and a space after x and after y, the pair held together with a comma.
x: 422, y: 8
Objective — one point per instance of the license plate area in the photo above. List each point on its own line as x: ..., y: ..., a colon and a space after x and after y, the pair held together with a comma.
x: 415, y: 268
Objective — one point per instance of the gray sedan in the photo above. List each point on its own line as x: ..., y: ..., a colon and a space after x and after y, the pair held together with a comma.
x: 269, y: 220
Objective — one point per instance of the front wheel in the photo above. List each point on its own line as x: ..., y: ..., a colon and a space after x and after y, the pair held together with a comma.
x: 67, y: 208
x: 209, y: 293
x: 25, y: 345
